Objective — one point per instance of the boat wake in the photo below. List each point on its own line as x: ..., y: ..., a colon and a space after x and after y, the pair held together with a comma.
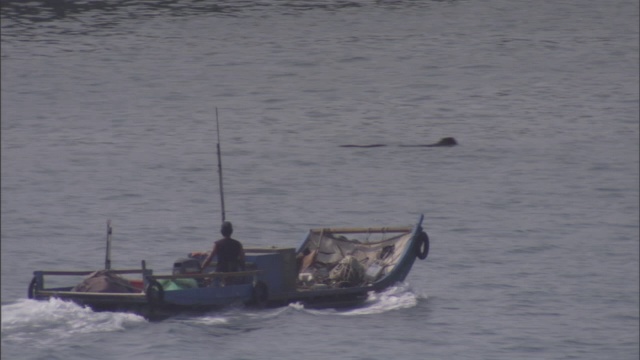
x: 396, y: 297
x: 55, y: 319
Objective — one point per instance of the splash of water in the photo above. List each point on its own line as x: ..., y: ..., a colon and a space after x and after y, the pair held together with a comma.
x: 55, y: 319
x: 208, y: 320
x: 235, y: 315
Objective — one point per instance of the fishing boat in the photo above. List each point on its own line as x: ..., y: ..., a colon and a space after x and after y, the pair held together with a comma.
x: 332, y: 267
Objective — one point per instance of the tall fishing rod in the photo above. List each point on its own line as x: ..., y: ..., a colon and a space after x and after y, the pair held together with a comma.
x: 220, y: 166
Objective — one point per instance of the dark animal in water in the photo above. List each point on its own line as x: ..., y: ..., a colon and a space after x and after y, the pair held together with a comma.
x: 448, y: 141
x: 444, y: 142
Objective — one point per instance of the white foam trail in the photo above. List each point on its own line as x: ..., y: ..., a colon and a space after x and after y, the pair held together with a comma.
x: 56, y: 319
x: 297, y: 306
x: 394, y: 298
x: 209, y: 321
x: 266, y: 313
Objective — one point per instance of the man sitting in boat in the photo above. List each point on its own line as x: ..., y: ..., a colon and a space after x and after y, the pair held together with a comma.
x: 229, y: 251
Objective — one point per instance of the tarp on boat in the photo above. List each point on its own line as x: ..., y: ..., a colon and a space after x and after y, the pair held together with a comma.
x: 178, y: 284
x: 104, y: 281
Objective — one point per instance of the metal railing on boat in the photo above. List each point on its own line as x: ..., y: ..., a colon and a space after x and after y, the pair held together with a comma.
x: 212, y: 275
x: 87, y: 272
x: 37, y: 285
x: 354, y: 230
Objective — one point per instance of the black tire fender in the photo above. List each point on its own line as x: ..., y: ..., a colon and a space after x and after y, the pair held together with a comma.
x: 31, y: 292
x: 422, y: 245
x: 154, y: 293
x: 260, y: 295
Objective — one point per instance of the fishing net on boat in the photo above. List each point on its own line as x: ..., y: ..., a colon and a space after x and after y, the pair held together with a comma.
x: 348, y: 271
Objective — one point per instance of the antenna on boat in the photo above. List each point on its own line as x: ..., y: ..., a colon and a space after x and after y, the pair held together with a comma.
x: 107, y: 260
x: 220, y: 166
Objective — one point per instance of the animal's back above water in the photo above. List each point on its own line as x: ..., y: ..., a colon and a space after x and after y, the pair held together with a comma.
x: 444, y: 142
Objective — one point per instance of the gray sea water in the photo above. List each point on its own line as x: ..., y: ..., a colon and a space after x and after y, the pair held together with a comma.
x: 108, y: 112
